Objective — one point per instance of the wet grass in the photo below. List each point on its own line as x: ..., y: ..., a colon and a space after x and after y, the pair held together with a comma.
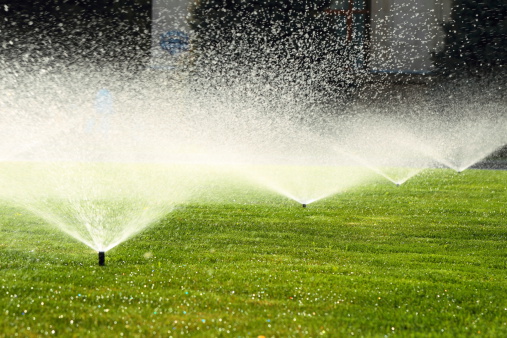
x: 425, y: 259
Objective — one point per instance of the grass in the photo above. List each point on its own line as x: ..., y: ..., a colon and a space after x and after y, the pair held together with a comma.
x: 425, y: 259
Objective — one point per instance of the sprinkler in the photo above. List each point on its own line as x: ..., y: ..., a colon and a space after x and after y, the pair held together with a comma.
x: 398, y: 184
x: 102, y: 258
x: 304, y: 205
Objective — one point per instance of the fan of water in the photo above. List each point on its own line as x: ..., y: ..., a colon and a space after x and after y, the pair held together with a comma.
x: 467, y: 138
x: 85, y: 169
x: 387, y: 146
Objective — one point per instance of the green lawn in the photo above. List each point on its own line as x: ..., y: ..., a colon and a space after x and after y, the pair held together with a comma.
x: 428, y: 258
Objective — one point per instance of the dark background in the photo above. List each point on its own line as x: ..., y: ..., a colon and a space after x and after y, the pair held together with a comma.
x: 72, y: 30
x: 118, y: 31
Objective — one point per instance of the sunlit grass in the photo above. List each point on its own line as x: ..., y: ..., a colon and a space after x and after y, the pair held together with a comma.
x: 427, y: 258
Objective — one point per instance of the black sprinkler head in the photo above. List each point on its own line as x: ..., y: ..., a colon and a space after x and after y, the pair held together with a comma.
x: 102, y: 258
x: 304, y: 205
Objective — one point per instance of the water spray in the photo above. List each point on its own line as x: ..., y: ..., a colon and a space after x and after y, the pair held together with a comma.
x: 102, y: 258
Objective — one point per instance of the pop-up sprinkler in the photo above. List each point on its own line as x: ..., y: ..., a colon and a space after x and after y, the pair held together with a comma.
x: 102, y: 258
x: 304, y: 205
